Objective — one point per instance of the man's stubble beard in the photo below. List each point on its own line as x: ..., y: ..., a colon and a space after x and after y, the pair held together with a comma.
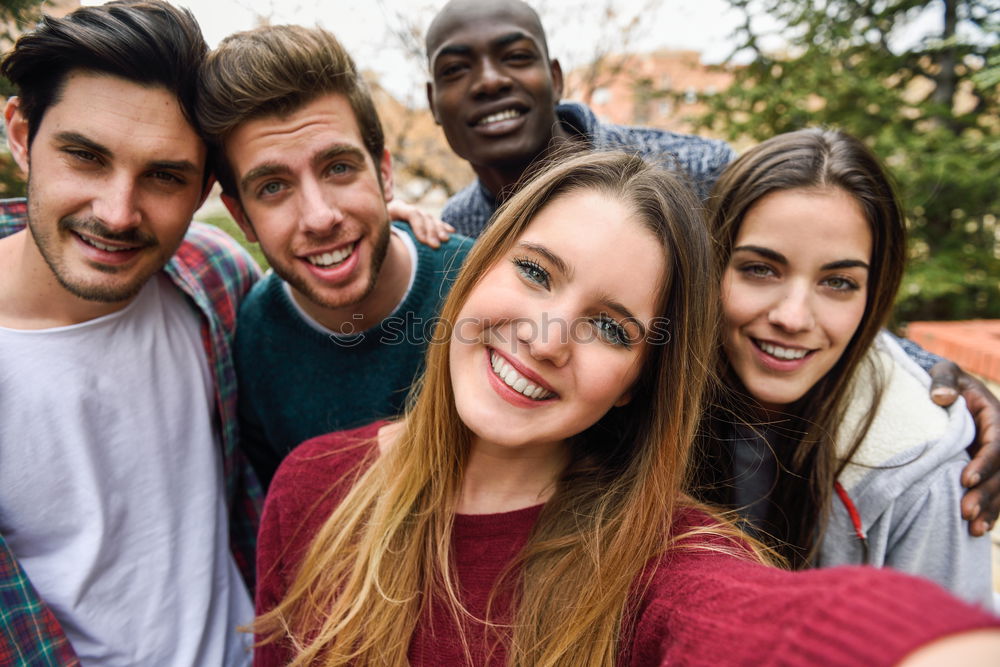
x: 48, y: 241
x: 380, y: 249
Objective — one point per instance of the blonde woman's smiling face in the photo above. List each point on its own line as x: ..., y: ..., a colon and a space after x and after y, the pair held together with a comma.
x: 553, y: 335
x: 794, y: 290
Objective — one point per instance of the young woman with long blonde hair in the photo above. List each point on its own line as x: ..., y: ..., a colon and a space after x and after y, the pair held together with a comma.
x: 528, y: 508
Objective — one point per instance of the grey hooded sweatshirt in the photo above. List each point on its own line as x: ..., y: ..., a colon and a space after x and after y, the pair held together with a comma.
x: 902, y: 485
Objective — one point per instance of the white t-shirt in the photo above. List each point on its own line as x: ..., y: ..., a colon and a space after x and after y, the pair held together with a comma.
x: 111, y: 489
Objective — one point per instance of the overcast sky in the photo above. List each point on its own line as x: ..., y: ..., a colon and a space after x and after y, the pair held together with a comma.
x: 573, y: 27
x: 367, y: 27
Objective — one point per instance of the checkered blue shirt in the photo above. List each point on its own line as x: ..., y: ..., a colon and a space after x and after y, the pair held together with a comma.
x: 702, y: 160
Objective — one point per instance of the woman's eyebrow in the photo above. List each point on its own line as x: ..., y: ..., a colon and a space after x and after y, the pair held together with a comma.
x: 776, y: 256
x: 845, y: 264
x: 624, y: 312
x: 553, y: 258
x: 767, y: 253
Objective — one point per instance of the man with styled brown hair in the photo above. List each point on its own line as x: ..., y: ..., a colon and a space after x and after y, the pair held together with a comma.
x: 124, y: 503
x: 334, y: 337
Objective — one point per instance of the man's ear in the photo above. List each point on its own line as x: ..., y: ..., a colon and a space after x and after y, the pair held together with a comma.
x: 17, y: 133
x: 555, y: 69
x: 385, y: 171
x: 430, y: 102
x: 236, y: 210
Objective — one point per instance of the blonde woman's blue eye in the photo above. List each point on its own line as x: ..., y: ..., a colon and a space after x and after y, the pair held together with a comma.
x: 532, y: 271
x: 612, y: 332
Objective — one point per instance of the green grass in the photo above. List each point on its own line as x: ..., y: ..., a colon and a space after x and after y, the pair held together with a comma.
x: 226, y: 224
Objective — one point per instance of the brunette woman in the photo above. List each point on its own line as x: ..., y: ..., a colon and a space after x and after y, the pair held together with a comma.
x: 528, y: 509
x: 847, y: 461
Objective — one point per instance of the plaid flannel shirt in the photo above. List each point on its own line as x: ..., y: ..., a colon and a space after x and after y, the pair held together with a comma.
x: 215, y: 274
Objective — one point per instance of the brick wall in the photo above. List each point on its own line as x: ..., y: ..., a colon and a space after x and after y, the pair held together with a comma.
x: 973, y: 344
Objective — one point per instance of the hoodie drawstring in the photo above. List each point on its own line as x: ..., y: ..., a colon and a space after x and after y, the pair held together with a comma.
x: 855, y: 518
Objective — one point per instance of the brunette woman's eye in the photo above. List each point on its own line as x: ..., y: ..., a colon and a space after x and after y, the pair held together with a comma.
x: 757, y: 271
x: 841, y: 284
x: 532, y: 271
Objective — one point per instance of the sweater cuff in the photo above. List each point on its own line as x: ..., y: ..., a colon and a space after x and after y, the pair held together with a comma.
x: 879, y: 619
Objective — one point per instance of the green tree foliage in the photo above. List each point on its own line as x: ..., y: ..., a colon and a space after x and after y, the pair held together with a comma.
x: 16, y: 16
x: 929, y: 110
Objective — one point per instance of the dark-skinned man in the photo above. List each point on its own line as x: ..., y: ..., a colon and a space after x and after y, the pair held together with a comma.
x: 495, y: 91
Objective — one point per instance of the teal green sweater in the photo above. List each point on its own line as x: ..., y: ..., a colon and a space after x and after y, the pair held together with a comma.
x: 296, y: 382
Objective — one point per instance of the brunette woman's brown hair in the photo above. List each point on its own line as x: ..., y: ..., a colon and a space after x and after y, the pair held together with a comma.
x: 805, y: 443
x: 382, y: 557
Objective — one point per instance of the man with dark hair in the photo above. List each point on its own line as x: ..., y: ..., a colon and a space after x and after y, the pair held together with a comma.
x: 336, y: 335
x: 495, y: 92
x: 124, y: 503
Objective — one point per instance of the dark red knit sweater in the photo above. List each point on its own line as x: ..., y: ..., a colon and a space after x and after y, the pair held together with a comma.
x: 702, y: 607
